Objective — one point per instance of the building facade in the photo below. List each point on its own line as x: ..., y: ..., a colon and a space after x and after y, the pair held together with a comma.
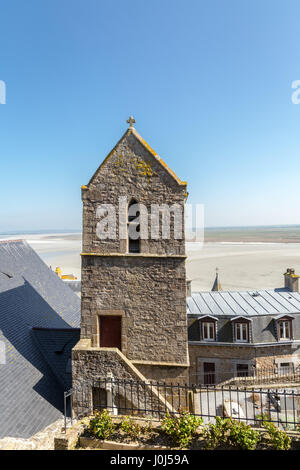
x: 238, y: 334
x: 133, y: 290
x: 139, y: 318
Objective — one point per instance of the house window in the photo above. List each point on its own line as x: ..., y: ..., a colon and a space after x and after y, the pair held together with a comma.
x: 242, y: 370
x: 208, y: 331
x: 285, y: 329
x: 286, y: 367
x: 133, y: 227
x: 209, y: 373
x: 242, y: 332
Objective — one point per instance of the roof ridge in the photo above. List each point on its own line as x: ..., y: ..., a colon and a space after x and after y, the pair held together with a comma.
x: 240, y: 291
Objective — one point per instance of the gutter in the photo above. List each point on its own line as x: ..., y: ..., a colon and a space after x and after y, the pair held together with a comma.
x: 247, y: 345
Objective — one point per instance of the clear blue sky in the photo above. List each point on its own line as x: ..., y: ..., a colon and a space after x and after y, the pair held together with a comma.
x: 209, y: 83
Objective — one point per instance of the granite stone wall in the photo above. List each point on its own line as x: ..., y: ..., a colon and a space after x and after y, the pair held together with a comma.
x: 151, y: 294
x: 171, y: 375
x: 148, y: 289
x: 90, y: 368
x: 226, y: 357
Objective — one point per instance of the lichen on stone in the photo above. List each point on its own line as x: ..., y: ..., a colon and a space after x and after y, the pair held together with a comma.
x: 142, y: 168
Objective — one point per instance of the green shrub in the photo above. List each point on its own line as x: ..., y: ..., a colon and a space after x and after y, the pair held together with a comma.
x: 181, y: 428
x: 131, y: 428
x: 226, y: 432
x: 260, y: 418
x: 243, y: 436
x: 102, y: 425
x: 279, y: 439
x: 217, y: 434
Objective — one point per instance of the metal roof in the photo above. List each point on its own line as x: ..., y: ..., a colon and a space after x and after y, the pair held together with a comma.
x: 33, y: 300
x: 247, y: 303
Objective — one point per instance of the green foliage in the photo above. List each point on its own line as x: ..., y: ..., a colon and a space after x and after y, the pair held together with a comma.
x: 243, y: 436
x: 229, y: 432
x: 261, y: 418
x: 279, y: 439
x: 225, y: 433
x: 102, y: 425
x: 131, y: 428
x: 217, y: 434
x: 181, y: 428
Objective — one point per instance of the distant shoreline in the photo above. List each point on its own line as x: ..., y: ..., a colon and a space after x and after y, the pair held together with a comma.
x: 226, y: 235
x: 246, y: 260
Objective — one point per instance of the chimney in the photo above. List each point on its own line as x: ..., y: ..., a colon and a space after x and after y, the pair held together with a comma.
x: 188, y: 288
x: 291, y: 280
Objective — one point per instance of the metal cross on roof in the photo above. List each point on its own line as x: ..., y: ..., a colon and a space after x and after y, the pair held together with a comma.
x: 131, y: 121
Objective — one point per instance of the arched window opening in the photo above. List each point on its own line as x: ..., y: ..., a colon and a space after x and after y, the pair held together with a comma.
x: 133, y: 227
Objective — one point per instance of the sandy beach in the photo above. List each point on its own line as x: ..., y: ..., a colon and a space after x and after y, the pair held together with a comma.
x: 55, y: 249
x: 242, y: 265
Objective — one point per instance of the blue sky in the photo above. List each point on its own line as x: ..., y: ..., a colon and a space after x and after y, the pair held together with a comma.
x: 208, y: 82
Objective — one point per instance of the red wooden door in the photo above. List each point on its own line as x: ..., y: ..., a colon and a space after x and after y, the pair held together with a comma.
x: 110, y: 332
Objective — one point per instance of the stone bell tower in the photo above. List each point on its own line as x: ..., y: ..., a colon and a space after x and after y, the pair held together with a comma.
x: 133, y: 314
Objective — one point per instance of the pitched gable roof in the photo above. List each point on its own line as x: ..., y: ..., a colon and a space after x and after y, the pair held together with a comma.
x: 133, y: 131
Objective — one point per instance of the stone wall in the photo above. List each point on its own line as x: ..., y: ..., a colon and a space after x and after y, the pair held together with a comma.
x: 165, y: 374
x: 91, y: 366
x: 151, y: 294
x: 226, y: 358
x: 148, y: 290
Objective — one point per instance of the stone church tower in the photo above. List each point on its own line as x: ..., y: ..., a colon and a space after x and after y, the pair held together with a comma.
x: 133, y: 314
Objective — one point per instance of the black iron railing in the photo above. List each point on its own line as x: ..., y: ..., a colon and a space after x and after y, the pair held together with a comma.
x: 156, y: 399
x: 252, y: 376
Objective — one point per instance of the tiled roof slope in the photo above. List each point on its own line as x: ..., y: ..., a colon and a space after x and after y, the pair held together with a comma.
x: 32, y: 296
x: 56, y: 346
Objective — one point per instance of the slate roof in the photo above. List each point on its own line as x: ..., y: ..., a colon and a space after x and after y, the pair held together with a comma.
x: 248, y: 303
x: 39, y: 315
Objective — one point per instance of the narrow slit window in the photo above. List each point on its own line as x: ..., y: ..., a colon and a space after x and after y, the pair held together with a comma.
x: 133, y: 228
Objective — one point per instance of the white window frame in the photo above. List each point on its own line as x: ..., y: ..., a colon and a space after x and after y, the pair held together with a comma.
x: 287, y: 330
x: 286, y: 369
x: 208, y: 325
x: 240, y: 326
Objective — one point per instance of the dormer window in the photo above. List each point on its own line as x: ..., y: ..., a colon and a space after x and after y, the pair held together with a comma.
x: 241, y: 332
x: 285, y: 329
x: 284, y: 325
x: 208, y: 329
x: 241, y: 329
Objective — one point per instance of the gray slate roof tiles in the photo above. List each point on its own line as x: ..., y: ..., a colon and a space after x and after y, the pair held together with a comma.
x: 32, y: 377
